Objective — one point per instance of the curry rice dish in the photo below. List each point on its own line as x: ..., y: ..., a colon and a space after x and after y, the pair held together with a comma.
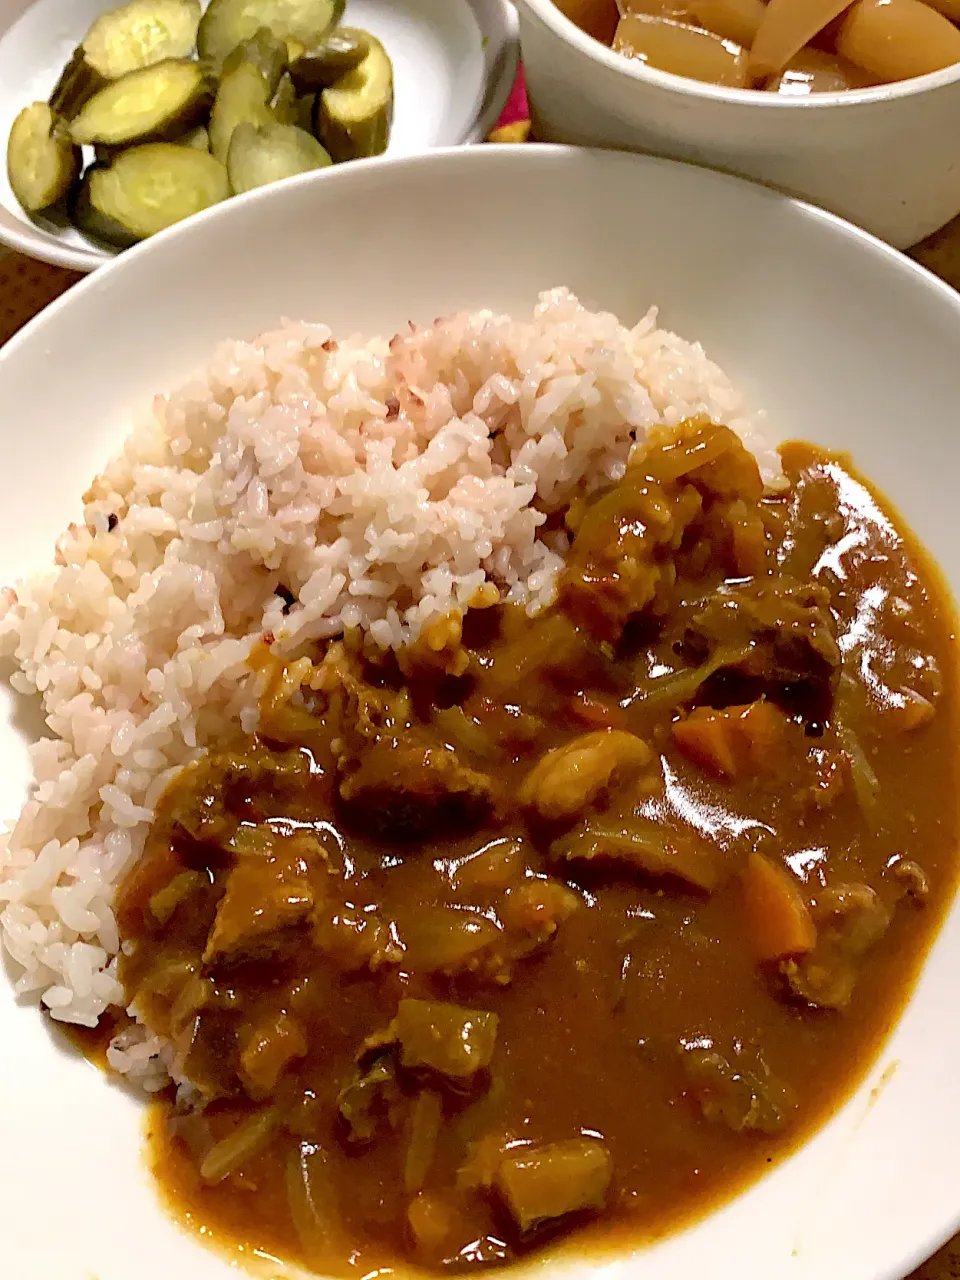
x: 491, y: 796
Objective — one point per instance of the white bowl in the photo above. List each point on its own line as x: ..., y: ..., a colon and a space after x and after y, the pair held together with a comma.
x: 454, y: 63
x: 844, y: 342
x: 886, y: 158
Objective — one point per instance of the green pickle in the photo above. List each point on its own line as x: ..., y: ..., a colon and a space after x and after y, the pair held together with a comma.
x: 153, y: 104
x: 42, y: 162
x: 268, y: 54
x: 259, y: 156
x: 286, y: 105
x: 147, y: 189
x: 243, y: 97
x: 78, y: 81
x: 139, y: 34
x: 228, y: 22
x: 341, y: 51
x: 355, y: 114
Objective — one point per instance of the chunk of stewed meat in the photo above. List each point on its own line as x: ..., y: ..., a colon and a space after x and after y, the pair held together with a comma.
x: 270, y: 1046
x: 541, y: 1184
x: 851, y: 919
x: 732, y: 1093
x: 772, y: 636
x: 221, y: 784
x: 413, y: 786
x: 268, y: 895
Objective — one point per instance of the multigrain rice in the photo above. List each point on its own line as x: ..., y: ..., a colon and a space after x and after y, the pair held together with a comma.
x: 376, y: 483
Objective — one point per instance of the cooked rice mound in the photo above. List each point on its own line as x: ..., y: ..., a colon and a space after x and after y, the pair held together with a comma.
x: 380, y: 483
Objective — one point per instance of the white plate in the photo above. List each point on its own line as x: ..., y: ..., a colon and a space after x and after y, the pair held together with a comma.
x: 844, y: 341
x: 454, y: 65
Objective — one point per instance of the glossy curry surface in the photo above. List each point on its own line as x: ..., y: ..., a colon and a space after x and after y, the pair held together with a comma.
x: 564, y: 924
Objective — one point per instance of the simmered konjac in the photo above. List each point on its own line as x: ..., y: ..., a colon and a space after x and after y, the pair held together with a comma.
x: 579, y: 919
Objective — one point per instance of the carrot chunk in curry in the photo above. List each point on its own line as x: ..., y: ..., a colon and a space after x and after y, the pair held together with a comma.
x: 571, y: 921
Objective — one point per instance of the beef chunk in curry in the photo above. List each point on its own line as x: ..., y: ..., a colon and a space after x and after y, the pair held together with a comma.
x: 575, y: 920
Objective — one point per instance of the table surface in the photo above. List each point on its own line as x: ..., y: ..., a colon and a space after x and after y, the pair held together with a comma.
x: 27, y: 286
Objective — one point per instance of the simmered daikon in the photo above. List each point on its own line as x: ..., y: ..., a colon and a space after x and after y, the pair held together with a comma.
x: 736, y: 20
x: 813, y: 71
x: 787, y: 26
x: 789, y: 47
x: 673, y: 46
x: 897, y: 39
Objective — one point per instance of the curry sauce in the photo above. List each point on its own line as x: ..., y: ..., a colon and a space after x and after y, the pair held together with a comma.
x: 572, y: 923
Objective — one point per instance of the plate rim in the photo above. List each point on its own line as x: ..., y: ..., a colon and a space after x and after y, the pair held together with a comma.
x: 492, y: 153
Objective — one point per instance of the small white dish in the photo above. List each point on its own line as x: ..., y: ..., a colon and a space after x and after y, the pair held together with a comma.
x: 885, y: 157
x: 841, y: 339
x: 454, y: 65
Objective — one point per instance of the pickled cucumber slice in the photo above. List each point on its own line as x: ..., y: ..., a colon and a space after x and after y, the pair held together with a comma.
x: 156, y: 102
x: 78, y: 82
x: 147, y: 189
x: 286, y: 104
x: 337, y: 53
x: 227, y: 22
x: 139, y: 34
x: 258, y: 157
x: 42, y: 162
x: 306, y: 113
x: 243, y: 95
x: 267, y: 53
x: 355, y: 114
